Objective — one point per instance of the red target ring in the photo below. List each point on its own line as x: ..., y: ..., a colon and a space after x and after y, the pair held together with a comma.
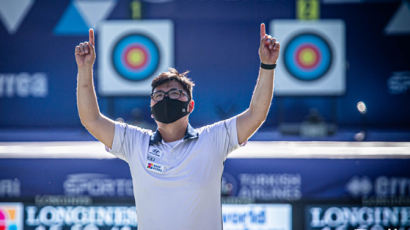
x: 307, y: 56
x: 135, y: 57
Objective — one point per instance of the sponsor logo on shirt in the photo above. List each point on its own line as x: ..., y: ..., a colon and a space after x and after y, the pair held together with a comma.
x: 150, y: 158
x: 155, y: 152
x: 155, y: 167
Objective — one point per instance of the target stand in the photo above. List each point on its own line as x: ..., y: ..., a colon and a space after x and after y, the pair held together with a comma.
x: 311, y: 67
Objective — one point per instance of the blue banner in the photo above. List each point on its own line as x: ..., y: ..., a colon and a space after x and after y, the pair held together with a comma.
x: 217, y: 41
x: 259, y: 180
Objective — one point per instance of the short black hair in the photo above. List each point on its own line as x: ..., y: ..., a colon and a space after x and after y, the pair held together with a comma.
x: 174, y: 75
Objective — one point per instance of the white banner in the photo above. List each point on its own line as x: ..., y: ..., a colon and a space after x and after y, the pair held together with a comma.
x: 257, y: 216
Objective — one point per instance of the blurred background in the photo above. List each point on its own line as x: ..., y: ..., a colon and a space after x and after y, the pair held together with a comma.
x: 342, y: 81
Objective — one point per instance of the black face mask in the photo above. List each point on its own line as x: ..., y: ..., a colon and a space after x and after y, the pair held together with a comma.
x: 169, y: 110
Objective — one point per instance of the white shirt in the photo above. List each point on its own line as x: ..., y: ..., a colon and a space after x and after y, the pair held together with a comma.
x: 177, y: 186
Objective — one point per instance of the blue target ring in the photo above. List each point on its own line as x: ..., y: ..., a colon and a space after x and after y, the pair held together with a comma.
x: 135, y: 57
x: 307, y: 57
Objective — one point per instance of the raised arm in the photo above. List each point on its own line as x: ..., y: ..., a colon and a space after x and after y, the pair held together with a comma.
x: 252, y: 118
x: 98, y: 125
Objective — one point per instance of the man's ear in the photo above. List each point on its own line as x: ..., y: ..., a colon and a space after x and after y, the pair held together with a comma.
x: 191, y: 106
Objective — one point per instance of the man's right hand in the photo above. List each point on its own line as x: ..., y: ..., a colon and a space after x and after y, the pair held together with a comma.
x: 98, y: 125
x: 85, y: 52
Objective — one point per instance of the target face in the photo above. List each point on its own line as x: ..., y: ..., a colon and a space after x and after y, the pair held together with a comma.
x: 307, y: 57
x: 135, y: 57
x: 133, y: 53
x: 312, y: 61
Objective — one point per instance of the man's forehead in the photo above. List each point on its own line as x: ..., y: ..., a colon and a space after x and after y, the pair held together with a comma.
x: 169, y: 85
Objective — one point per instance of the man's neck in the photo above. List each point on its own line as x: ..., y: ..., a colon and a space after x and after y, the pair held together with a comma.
x: 173, y: 131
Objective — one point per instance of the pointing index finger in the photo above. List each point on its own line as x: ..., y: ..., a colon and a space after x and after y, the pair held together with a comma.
x: 263, y: 31
x: 91, y: 36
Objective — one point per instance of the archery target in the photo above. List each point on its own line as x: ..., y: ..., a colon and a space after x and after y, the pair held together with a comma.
x: 133, y: 53
x: 311, y: 61
x: 135, y: 57
x: 307, y: 57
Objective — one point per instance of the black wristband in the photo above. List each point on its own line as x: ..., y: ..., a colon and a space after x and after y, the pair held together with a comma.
x: 266, y: 66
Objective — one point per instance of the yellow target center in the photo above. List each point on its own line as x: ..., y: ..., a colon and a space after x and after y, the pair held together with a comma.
x: 307, y: 56
x: 135, y: 57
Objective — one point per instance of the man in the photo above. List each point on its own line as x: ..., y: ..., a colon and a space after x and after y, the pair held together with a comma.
x: 176, y: 171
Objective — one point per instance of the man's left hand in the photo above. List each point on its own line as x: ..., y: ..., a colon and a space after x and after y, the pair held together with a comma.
x: 269, y: 47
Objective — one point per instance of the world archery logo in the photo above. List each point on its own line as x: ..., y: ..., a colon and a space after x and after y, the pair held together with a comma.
x: 135, y: 57
x: 11, y: 217
x: 308, y: 56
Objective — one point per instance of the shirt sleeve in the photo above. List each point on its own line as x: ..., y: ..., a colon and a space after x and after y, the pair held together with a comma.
x: 225, y: 136
x: 126, y: 139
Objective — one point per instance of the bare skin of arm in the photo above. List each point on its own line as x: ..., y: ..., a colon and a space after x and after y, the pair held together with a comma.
x: 97, y: 124
x: 252, y: 118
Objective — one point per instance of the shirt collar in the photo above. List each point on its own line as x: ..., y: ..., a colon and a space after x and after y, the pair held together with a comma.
x: 190, y: 133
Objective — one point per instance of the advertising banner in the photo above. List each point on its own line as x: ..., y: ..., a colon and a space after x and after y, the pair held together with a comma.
x: 348, y: 217
x: 103, y: 217
x: 124, y: 217
x: 11, y: 216
x: 259, y: 194
x: 323, y: 179
x: 253, y: 179
x: 257, y: 216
